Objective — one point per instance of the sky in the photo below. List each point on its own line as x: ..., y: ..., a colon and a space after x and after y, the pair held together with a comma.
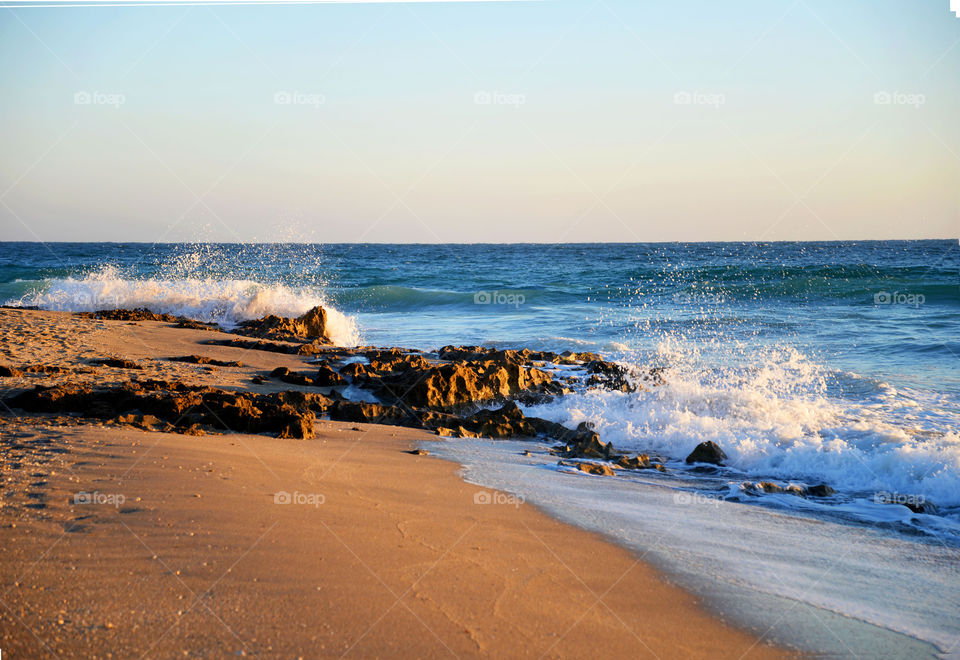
x: 554, y: 121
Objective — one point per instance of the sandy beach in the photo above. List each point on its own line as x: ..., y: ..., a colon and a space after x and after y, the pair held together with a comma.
x: 121, y: 542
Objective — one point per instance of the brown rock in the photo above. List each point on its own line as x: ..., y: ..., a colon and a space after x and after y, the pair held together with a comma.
x: 641, y: 462
x: 312, y: 325
x: 596, y: 468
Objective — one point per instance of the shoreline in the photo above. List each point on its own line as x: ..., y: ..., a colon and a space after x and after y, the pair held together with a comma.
x: 516, y: 579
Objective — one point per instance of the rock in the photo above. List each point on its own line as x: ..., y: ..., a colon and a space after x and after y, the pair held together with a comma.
x: 9, y: 372
x: 707, y: 452
x: 611, y: 376
x: 448, y: 386
x: 327, y: 377
x: 419, y: 452
x: 258, y: 380
x: 821, y: 490
x: 372, y: 413
x: 505, y: 422
x: 589, y: 446
x: 641, y: 462
x: 118, y: 363
x: 596, y: 468
x: 769, y: 487
x: 186, y: 408
x: 312, y: 325
x: 256, y: 345
x: 143, y: 314
x: 199, y: 359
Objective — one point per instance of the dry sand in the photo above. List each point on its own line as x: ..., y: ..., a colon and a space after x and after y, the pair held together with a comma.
x: 381, y: 553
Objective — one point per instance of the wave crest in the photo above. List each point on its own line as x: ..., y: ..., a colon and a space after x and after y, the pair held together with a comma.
x: 223, y: 301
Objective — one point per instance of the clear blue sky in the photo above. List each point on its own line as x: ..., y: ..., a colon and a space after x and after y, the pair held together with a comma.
x: 614, y: 120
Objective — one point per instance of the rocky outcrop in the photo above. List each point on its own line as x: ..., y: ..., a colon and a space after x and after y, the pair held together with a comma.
x: 820, y: 490
x: 324, y: 377
x: 312, y: 325
x: 373, y: 413
x: 142, y: 314
x: 117, y: 363
x: 199, y: 359
x: 448, y: 386
x: 599, y: 469
x: 707, y: 452
x: 9, y: 372
x: 184, y: 407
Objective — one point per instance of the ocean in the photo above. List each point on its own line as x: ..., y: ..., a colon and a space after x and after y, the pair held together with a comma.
x: 807, y: 362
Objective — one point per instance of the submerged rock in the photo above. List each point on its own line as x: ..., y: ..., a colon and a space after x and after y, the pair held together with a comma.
x: 821, y: 490
x: 707, y: 452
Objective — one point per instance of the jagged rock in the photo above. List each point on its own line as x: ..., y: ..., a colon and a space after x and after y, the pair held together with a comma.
x: 9, y: 372
x: 143, y: 314
x: 117, y: 363
x: 199, y: 359
x: 707, y: 452
x: 355, y: 370
x: 327, y: 377
x: 305, y: 400
x: 311, y: 325
x: 372, y: 413
x: 640, y: 462
x: 588, y: 445
x: 505, y: 422
x: 821, y: 490
x: 447, y: 386
x: 256, y: 345
x: 183, y: 406
x: 596, y: 468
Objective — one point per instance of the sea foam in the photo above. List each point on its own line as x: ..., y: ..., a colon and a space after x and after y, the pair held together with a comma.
x: 223, y: 301
x: 783, y: 417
